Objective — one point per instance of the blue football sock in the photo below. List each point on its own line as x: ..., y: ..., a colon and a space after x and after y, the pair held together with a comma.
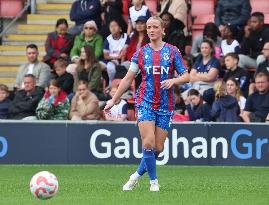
x: 142, y: 167
x: 150, y: 161
x: 156, y: 153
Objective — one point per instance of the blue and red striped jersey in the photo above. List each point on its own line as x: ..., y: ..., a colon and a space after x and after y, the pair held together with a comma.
x: 155, y: 67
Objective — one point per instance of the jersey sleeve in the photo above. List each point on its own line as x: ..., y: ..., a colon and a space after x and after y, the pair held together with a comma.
x: 106, y: 46
x: 178, y: 62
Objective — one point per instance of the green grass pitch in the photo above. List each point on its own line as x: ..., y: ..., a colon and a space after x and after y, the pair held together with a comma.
x: 102, y: 184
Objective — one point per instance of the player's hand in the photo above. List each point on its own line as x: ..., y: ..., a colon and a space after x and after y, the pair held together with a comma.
x: 109, y: 105
x: 166, y: 84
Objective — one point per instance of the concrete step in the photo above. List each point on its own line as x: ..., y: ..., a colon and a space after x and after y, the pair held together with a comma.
x: 60, y: 1
x: 9, y: 69
x: 8, y: 80
x: 14, y: 60
x: 23, y: 43
x: 55, y: 8
x: 18, y: 53
x: 34, y: 29
x: 46, y: 19
x: 18, y: 48
x: 21, y: 37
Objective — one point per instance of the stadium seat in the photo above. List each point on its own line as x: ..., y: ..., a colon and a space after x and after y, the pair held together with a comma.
x: 202, y: 7
x: 266, y: 18
x: 201, y: 20
x: 260, y: 5
x: 152, y: 4
x: 10, y: 8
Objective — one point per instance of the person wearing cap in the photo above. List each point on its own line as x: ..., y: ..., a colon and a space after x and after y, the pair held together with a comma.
x: 83, y: 11
x: 89, y: 36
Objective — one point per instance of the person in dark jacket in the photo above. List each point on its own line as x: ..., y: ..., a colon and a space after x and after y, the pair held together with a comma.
x: 225, y: 108
x: 83, y: 11
x: 253, y: 42
x: 26, y: 100
x: 58, y: 44
x: 174, y: 33
x: 4, y: 101
x: 232, y: 12
x: 197, y: 109
x: 264, y: 66
x: 64, y: 79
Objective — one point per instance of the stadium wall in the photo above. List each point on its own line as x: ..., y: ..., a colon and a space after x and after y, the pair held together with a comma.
x: 66, y: 142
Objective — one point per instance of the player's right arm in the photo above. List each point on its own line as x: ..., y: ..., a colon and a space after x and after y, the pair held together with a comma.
x: 124, y: 85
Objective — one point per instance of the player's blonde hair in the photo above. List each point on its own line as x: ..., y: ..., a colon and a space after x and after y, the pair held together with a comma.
x: 158, y: 19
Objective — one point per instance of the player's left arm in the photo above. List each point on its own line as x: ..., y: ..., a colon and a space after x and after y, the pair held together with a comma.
x: 181, y: 69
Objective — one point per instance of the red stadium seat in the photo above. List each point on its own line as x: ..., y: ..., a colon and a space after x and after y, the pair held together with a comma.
x: 201, y: 20
x: 152, y: 4
x: 10, y: 8
x: 266, y: 18
x: 260, y: 5
x: 202, y: 7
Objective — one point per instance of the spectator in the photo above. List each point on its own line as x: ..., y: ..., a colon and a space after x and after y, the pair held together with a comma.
x: 257, y: 105
x: 64, y: 79
x: 115, y: 49
x: 89, y: 36
x: 139, y: 38
x: 264, y: 66
x: 234, y: 71
x: 84, y: 104
x: 225, y: 108
x: 54, y: 105
x: 40, y: 70
x: 232, y: 12
x: 26, y: 100
x: 177, y: 8
x: 180, y: 106
x: 58, y: 44
x: 4, y: 101
x: 119, y: 111
x: 253, y: 42
x: 83, y: 11
x: 210, y: 31
x: 138, y: 9
x: 233, y: 89
x: 88, y: 69
x: 229, y: 44
x: 174, y: 31
x: 112, y: 9
x: 205, y: 69
x: 196, y: 108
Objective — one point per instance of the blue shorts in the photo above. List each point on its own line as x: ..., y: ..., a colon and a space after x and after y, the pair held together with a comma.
x: 162, y: 119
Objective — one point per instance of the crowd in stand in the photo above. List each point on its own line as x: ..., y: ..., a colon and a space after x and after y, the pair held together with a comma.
x: 83, y: 65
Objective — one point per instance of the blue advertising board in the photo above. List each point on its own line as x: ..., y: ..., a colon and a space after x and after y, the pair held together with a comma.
x: 66, y: 142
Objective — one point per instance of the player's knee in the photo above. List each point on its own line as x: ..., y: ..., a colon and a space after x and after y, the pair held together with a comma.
x: 148, y: 144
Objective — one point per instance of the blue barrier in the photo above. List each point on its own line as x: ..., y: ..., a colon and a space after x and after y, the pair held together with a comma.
x: 97, y: 142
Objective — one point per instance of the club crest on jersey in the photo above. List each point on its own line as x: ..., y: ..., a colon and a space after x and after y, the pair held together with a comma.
x: 166, y: 56
x: 157, y: 70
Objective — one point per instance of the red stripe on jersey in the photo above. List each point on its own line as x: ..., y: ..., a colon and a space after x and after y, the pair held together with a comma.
x: 170, y: 75
x: 143, y: 73
x: 156, y: 80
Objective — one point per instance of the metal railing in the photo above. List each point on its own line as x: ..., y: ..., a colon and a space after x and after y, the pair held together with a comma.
x: 28, y: 4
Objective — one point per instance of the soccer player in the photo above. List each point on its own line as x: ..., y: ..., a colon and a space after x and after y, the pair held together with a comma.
x: 157, y: 62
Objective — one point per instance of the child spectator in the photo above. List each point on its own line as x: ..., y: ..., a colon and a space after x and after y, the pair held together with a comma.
x: 119, y: 111
x: 65, y: 80
x: 84, y: 105
x: 225, y: 108
x: 115, y: 49
x: 138, y: 9
x: 234, y: 71
x: 4, y: 101
x: 58, y: 44
x: 54, y: 105
x: 88, y: 69
x: 229, y: 44
x: 233, y: 89
x: 196, y: 108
